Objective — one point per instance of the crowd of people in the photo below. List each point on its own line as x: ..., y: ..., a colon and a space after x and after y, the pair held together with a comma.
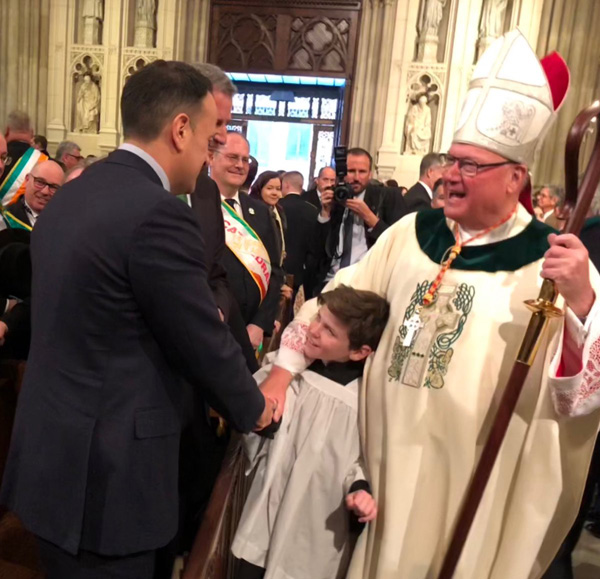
x: 142, y: 287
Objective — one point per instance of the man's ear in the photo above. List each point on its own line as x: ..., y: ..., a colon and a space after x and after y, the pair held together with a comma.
x: 361, y: 353
x: 518, y: 178
x: 181, y: 130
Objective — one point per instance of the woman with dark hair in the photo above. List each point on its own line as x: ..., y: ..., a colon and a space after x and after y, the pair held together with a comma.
x: 267, y: 188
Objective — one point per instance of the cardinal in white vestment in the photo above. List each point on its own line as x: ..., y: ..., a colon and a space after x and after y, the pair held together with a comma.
x: 456, y: 280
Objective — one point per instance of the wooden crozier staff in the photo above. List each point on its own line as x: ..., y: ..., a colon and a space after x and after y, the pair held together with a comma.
x: 543, y: 308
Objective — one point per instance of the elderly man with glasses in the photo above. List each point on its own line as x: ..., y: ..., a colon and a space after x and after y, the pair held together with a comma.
x: 456, y: 279
x: 40, y: 185
x: 69, y: 154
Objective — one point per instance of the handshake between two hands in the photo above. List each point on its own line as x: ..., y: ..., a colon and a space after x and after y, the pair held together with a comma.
x: 268, y: 415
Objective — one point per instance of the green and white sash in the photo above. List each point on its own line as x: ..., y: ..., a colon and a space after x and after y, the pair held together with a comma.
x: 8, y: 220
x: 248, y: 248
x: 14, y: 185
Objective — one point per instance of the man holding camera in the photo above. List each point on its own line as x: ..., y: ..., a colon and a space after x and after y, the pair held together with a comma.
x: 352, y: 219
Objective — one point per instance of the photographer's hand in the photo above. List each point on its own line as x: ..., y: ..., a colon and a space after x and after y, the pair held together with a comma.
x: 361, y: 209
x: 326, y: 203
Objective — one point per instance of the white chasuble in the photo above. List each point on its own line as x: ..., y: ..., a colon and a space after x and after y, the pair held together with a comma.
x: 429, y: 394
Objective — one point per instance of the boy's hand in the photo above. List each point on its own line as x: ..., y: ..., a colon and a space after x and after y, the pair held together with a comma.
x: 363, y: 505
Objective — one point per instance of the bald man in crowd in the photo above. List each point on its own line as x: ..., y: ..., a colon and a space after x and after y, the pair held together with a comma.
x: 40, y: 186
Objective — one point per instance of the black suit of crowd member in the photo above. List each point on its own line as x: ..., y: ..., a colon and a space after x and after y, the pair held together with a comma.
x: 122, y: 311
x: 420, y: 195
x: 229, y: 169
x: 40, y: 184
x: 206, y: 205
x: 338, y: 222
x: 15, y: 285
x: 299, y: 236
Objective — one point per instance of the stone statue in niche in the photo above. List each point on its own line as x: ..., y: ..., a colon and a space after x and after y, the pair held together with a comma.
x: 88, y: 106
x: 492, y: 23
x: 145, y: 23
x: 418, y: 127
x: 432, y: 16
x: 92, y: 13
x: 428, y: 28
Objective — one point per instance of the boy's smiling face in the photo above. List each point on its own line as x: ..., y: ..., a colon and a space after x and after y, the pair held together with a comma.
x: 327, y: 340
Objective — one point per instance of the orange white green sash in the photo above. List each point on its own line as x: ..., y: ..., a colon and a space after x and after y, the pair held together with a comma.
x: 14, y: 185
x: 248, y: 248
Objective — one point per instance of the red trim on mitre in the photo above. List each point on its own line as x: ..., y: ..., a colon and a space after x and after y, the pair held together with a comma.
x: 559, y: 77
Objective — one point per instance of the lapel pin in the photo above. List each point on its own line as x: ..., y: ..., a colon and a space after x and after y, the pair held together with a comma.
x: 251, y: 211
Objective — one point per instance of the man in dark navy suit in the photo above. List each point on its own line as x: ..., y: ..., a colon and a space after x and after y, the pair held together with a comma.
x: 229, y: 168
x: 122, y: 311
x: 420, y: 195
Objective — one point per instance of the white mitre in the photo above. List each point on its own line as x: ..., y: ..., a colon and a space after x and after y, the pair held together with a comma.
x: 512, y: 99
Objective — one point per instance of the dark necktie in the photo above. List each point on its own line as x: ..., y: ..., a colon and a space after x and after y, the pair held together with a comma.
x: 347, y: 246
x: 231, y: 203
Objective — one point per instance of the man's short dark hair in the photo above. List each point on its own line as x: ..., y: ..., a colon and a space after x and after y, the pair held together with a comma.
x: 41, y: 141
x: 358, y: 152
x: 428, y: 161
x: 364, y: 313
x: 157, y: 93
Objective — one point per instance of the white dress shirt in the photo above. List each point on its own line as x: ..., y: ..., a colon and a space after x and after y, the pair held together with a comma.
x: 237, y: 206
x: 359, y: 242
x: 30, y: 212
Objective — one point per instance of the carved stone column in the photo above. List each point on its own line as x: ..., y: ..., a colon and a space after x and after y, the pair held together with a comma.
x: 93, y: 14
x: 193, y: 43
x: 145, y: 23
x: 24, y: 29
x: 372, y: 73
x: 570, y: 27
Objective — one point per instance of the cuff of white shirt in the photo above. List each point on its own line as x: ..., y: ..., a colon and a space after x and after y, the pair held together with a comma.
x: 577, y: 330
x: 322, y: 219
x: 566, y: 390
x: 290, y: 360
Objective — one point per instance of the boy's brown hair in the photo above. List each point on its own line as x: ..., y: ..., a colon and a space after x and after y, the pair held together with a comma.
x: 364, y: 313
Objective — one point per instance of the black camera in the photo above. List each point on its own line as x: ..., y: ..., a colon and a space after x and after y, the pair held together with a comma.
x: 342, y: 191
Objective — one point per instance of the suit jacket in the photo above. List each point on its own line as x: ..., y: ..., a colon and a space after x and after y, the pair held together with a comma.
x: 417, y: 198
x: 19, y: 211
x: 243, y: 287
x: 553, y: 221
x: 312, y: 196
x: 206, y: 204
x: 15, y: 281
x: 386, y: 202
x: 121, y: 310
x: 301, y: 225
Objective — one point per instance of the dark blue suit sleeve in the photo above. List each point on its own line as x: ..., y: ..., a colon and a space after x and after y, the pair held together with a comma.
x: 169, y: 281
